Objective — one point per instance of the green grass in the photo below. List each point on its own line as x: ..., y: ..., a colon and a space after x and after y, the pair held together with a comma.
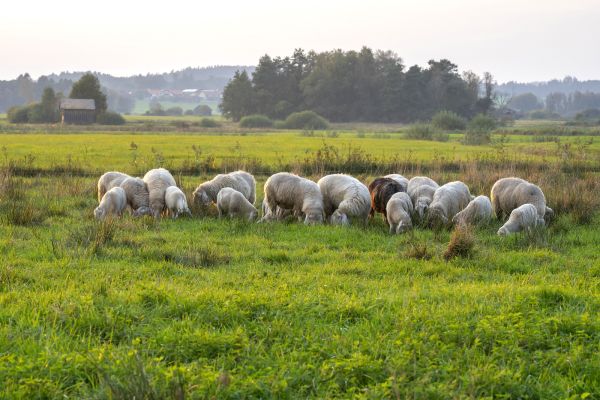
x: 208, y: 308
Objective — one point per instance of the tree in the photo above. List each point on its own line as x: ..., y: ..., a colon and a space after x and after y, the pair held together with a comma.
x: 484, y: 104
x: 238, y: 97
x: 88, y: 87
x: 525, y: 102
x: 49, y: 105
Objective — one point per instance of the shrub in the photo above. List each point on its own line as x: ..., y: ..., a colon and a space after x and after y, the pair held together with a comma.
x: 448, y: 120
x: 420, y: 131
x: 203, y: 110
x: 174, y: 111
x: 18, y: 115
x: 110, y: 118
x: 480, y: 130
x: 208, y: 123
x: 590, y: 114
x: 256, y: 121
x: 305, y: 120
x: 461, y: 243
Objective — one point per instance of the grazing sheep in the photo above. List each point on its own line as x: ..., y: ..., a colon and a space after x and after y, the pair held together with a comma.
x: 280, y: 213
x: 108, y: 181
x: 421, y: 190
x: 509, y: 193
x: 157, y: 181
x: 399, y: 210
x: 381, y: 189
x: 137, y: 194
x: 289, y: 191
x: 344, y: 196
x: 478, y: 211
x: 234, y: 204
x: 400, y: 179
x: 176, y: 202
x: 242, y: 181
x: 113, y: 203
x: 525, y: 217
x: 448, y: 200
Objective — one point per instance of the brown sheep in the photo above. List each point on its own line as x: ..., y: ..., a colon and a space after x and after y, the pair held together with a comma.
x: 381, y: 190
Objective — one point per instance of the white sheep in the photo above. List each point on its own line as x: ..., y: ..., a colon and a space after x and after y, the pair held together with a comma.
x: 176, y: 202
x: 113, y: 202
x: 421, y: 190
x: 157, y: 181
x: 292, y: 192
x: 137, y: 194
x: 234, y: 204
x: 108, y: 181
x: 448, y: 200
x: 344, y: 196
x: 280, y: 213
x: 510, y: 193
x: 242, y: 181
x: 525, y: 217
x: 478, y: 211
x: 399, y: 210
x: 400, y: 179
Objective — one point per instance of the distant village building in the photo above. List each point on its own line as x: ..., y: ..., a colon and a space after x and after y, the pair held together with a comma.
x: 77, y: 111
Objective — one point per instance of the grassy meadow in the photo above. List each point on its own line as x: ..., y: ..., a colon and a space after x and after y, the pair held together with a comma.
x: 207, y: 308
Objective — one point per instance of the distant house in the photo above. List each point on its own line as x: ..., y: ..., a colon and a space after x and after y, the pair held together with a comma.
x: 77, y: 111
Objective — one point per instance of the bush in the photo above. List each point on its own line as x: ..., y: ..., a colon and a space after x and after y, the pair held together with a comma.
x: 203, y: 110
x: 461, y: 243
x: 174, y: 111
x: 480, y: 129
x: 305, y: 120
x: 420, y: 131
x: 18, y: 115
x: 208, y: 123
x: 449, y: 121
x: 256, y: 121
x: 110, y: 118
x: 590, y: 114
x: 543, y: 114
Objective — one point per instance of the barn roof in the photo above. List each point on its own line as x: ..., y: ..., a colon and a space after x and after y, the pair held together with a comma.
x: 77, y: 104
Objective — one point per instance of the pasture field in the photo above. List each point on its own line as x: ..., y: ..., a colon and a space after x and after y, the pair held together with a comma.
x: 207, y: 308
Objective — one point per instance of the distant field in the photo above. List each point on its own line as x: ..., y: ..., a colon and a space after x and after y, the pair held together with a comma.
x: 207, y: 308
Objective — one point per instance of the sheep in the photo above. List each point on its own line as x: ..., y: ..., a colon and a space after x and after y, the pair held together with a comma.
x: 478, y: 211
x: 421, y: 190
x: 137, y: 195
x: 525, y: 217
x: 344, y: 196
x: 280, y: 213
x: 176, y: 202
x: 381, y: 189
x: 234, y: 204
x: 289, y: 191
x: 113, y: 202
x: 448, y: 200
x: 400, y: 179
x: 509, y: 193
x: 157, y: 181
x: 399, y: 210
x: 242, y: 181
x: 108, y: 181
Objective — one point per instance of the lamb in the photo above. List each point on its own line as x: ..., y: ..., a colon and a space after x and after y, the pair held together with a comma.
x: 344, y: 196
x: 242, y: 181
x: 137, y: 195
x: 421, y: 190
x: 234, y: 204
x: 289, y: 191
x: 176, y: 202
x: 400, y: 179
x: 478, y: 211
x: 113, y: 203
x: 108, y: 181
x: 381, y: 189
x: 525, y: 217
x: 510, y: 193
x: 157, y: 181
x: 399, y: 210
x: 448, y: 200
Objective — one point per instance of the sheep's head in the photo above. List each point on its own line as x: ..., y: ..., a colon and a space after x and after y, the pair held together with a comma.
x: 253, y: 215
x: 314, y: 217
x: 549, y: 215
x: 201, y: 197
x: 141, y: 211
x: 503, y: 231
x: 403, y: 227
x: 339, y: 218
x: 436, y: 218
x: 421, y: 207
x: 99, y: 213
x: 183, y: 211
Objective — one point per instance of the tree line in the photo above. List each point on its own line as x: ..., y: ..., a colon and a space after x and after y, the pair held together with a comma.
x: 557, y: 103
x: 363, y: 85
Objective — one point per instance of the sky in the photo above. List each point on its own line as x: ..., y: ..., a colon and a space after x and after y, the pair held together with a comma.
x: 521, y: 40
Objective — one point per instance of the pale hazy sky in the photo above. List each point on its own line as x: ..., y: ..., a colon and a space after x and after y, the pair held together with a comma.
x: 514, y: 39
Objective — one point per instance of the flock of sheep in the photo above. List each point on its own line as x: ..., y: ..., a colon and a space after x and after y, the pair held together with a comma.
x: 336, y: 199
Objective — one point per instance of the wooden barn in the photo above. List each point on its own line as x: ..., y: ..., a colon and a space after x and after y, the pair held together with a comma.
x: 77, y: 111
